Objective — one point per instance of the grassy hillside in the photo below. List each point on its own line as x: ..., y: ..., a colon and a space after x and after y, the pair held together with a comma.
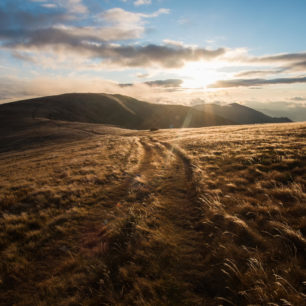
x: 209, y: 216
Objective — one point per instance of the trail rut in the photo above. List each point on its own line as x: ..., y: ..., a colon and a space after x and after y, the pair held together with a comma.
x: 165, y: 214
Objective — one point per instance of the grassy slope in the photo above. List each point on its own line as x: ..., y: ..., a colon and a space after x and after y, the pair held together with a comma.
x: 192, y: 216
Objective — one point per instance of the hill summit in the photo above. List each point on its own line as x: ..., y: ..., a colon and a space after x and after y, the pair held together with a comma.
x: 127, y: 112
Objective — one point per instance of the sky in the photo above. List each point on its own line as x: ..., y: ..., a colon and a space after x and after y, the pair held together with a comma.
x: 161, y: 51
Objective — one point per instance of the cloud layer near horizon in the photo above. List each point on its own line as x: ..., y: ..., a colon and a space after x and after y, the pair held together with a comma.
x: 256, y: 82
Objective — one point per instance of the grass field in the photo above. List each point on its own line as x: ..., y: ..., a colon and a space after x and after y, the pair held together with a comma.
x: 208, y: 216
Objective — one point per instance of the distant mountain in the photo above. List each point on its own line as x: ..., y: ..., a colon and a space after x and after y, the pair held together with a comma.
x: 296, y: 112
x: 239, y: 113
x: 118, y: 110
x: 124, y: 112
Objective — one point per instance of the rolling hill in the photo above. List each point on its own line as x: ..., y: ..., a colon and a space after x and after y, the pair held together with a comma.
x: 239, y: 113
x: 75, y: 116
x: 121, y: 111
x: 126, y: 112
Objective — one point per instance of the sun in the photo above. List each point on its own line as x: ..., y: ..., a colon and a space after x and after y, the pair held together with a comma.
x: 199, y: 75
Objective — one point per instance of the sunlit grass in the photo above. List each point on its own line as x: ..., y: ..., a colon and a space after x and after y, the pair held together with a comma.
x: 210, y: 216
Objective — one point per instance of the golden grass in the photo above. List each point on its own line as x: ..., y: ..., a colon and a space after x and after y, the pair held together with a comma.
x: 252, y: 181
x: 210, y: 216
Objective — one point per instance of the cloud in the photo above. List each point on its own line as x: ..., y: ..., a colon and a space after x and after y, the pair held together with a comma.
x: 298, y: 99
x: 142, y: 75
x: 119, y: 24
x: 298, y: 66
x: 165, y: 83
x: 55, y: 32
x: 71, y: 6
x: 88, y: 43
x: 74, y: 6
x: 142, y: 2
x: 287, y: 61
x: 241, y: 55
x: 278, y: 62
x: 284, y: 57
x: 126, y: 85
x: 154, y: 55
x: 110, y: 25
x: 119, y: 16
x: 256, y: 82
x: 252, y: 73
x: 49, y: 5
x: 168, y: 83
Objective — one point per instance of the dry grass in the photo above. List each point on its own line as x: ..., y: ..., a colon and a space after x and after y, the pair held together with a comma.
x: 252, y: 184
x: 210, y: 216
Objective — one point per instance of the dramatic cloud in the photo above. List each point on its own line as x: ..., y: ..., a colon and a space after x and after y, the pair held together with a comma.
x: 22, y: 32
x: 256, y: 82
x: 115, y: 24
x: 49, y: 32
x: 68, y: 30
x: 83, y: 43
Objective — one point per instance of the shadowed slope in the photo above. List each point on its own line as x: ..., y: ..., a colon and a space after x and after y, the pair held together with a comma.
x: 116, y: 110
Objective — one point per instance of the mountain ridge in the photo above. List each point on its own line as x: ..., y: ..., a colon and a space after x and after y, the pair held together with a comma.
x: 127, y: 112
x: 118, y: 110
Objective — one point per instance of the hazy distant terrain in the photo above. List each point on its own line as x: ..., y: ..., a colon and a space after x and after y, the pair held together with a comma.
x: 239, y: 114
x: 99, y: 215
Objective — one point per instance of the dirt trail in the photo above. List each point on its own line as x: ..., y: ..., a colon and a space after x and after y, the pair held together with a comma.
x: 161, y: 214
x: 167, y: 175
